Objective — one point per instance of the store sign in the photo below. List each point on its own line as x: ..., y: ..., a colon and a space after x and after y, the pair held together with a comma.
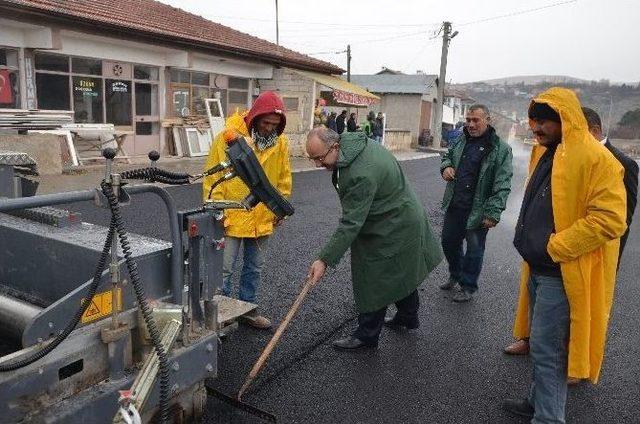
x: 352, y: 99
x: 30, y: 80
x: 119, y: 87
x: 87, y: 87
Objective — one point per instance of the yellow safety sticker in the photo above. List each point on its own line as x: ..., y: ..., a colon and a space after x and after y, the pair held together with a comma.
x: 101, y: 306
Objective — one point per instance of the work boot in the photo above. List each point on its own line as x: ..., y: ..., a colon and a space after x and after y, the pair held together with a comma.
x: 255, y: 320
x: 462, y: 296
x: 353, y: 343
x: 449, y: 284
x: 520, y: 347
x: 571, y: 381
x: 519, y: 407
x: 397, y: 323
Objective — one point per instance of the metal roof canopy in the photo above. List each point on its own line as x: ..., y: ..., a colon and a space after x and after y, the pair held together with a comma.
x: 343, y: 92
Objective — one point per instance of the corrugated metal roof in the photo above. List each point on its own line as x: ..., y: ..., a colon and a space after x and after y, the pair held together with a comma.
x: 398, y: 84
x: 149, y: 17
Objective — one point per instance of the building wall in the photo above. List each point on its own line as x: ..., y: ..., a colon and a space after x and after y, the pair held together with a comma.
x: 294, y: 89
x: 403, y: 112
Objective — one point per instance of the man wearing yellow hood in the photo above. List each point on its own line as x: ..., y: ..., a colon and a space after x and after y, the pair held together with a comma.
x: 572, y: 216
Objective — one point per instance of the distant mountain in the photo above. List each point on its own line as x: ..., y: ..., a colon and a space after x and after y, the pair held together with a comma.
x: 534, y: 80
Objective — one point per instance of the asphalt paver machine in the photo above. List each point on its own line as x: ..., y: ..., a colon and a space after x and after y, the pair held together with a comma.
x: 99, y: 325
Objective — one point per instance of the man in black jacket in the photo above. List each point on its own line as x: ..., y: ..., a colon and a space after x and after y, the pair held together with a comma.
x: 630, y: 168
x: 341, y: 122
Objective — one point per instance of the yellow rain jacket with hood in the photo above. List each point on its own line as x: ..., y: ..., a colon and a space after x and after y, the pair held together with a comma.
x: 589, y: 209
x: 259, y: 221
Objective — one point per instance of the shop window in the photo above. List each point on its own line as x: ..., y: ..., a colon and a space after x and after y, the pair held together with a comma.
x: 87, y: 100
x: 9, y: 58
x: 146, y: 99
x: 291, y: 104
x: 9, y: 79
x: 199, y: 95
x: 199, y: 78
x: 53, y: 91
x: 180, y: 76
x: 52, y: 62
x: 150, y: 73
x: 239, y: 84
x: 147, y: 128
x: 118, y: 102
x: 80, y: 65
x: 238, y: 97
x: 221, y: 95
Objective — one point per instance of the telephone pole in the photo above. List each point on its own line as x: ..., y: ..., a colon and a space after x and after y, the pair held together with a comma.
x: 437, y: 122
x: 348, y: 62
x: 277, y: 29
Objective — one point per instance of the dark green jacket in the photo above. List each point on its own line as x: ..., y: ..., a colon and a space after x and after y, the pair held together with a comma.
x: 392, y: 246
x: 494, y: 180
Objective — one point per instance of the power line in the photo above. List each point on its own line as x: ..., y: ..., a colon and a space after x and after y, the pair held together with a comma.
x: 521, y: 12
x: 321, y: 23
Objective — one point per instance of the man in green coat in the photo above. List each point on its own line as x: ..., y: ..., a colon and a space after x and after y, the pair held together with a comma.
x: 478, y: 171
x: 392, y: 246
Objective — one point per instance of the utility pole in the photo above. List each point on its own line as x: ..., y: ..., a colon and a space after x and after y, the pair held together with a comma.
x: 348, y: 62
x: 277, y: 29
x: 437, y: 124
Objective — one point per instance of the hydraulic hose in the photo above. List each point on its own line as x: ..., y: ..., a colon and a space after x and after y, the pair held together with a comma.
x: 156, y: 175
x: 132, y: 267
x: 93, y: 287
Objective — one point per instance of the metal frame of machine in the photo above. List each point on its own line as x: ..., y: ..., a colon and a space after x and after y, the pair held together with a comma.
x: 149, y: 322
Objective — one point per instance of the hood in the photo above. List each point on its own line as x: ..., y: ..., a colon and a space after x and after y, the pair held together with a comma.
x: 351, y: 145
x: 566, y: 104
x: 266, y: 103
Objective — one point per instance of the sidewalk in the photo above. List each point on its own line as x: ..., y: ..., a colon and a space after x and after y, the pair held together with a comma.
x: 86, y: 177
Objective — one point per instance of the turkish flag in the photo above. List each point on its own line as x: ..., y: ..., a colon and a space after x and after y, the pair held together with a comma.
x: 6, y: 92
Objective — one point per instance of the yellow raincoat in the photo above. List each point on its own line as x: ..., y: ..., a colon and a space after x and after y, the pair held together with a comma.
x: 259, y: 221
x: 589, y: 209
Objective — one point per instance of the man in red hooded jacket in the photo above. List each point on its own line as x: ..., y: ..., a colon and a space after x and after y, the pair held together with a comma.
x: 262, y: 126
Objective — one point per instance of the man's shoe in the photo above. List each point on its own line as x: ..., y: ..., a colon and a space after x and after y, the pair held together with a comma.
x: 571, y: 381
x: 399, y: 324
x: 519, y: 407
x: 462, y: 296
x: 353, y: 343
x: 255, y: 321
x: 449, y: 284
x: 520, y: 347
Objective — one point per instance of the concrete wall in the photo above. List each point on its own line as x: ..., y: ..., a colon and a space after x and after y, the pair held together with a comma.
x: 290, y: 84
x: 45, y: 149
x: 397, y: 140
x: 403, y: 112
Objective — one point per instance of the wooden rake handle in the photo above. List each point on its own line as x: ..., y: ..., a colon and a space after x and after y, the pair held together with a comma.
x: 276, y: 337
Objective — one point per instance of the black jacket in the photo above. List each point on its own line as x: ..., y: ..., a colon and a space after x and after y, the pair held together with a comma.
x: 535, y: 223
x: 340, y: 124
x: 630, y: 184
x: 351, y: 125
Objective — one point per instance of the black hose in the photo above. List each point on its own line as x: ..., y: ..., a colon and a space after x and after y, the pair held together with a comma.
x: 214, y: 185
x: 138, y: 288
x: 93, y: 287
x: 156, y: 175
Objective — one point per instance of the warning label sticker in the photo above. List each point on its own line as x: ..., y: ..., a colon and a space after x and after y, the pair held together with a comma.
x: 101, y: 306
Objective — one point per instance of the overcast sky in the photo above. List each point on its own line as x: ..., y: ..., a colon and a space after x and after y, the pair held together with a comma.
x: 590, y: 39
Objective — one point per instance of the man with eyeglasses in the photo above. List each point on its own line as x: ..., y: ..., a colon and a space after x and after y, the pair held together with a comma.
x: 393, y: 248
x: 478, y: 171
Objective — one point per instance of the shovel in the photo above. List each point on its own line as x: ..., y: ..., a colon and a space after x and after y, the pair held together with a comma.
x: 274, y: 340
x: 257, y: 367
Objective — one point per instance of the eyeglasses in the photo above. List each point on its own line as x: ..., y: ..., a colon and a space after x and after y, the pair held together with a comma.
x: 321, y: 158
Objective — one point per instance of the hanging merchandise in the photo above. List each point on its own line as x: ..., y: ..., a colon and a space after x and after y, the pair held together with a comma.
x: 6, y: 91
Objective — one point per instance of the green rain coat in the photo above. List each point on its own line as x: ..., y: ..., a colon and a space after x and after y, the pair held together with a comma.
x: 494, y: 180
x: 392, y: 245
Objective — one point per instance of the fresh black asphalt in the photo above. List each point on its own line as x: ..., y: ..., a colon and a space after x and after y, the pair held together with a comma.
x: 450, y: 370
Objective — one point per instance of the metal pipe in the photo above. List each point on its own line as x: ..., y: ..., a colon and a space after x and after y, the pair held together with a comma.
x: 46, y: 200
x: 16, y: 315
x: 176, y: 238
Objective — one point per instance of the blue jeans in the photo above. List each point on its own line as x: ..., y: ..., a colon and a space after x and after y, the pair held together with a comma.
x: 548, y: 343
x: 464, y: 267
x: 253, y: 260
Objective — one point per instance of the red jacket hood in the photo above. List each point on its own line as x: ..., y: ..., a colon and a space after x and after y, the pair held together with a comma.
x: 267, y: 102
